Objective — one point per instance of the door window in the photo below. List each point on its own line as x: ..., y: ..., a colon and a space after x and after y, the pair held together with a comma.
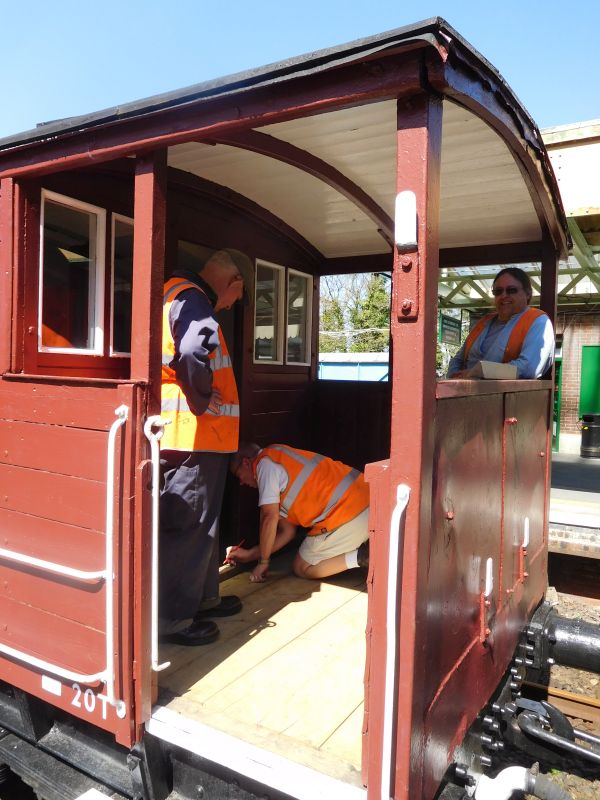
x: 71, y: 295
x: 122, y: 277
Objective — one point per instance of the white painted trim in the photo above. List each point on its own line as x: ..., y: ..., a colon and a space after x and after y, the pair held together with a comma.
x: 96, y: 297
x: 281, y: 307
x: 154, y: 438
x: 391, y: 646
x: 309, y: 307
x: 268, y: 769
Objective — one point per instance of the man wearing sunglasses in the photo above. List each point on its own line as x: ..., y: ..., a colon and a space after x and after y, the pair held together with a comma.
x: 514, y: 333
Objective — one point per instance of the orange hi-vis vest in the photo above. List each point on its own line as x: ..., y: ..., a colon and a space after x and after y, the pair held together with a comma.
x: 516, y: 338
x: 210, y: 432
x: 321, y: 494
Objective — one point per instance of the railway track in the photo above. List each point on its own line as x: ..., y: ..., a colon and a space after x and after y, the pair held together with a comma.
x: 572, y: 704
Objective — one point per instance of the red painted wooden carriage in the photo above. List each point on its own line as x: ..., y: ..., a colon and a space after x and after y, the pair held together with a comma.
x: 300, y: 165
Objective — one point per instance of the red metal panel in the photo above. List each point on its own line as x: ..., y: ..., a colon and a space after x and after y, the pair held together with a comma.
x: 526, y: 494
x: 490, y: 473
x: 53, y: 507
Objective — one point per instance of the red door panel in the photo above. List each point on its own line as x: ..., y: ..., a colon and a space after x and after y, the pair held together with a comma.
x: 57, y: 640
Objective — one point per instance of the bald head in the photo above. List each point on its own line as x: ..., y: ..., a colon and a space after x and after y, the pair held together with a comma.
x: 228, y: 272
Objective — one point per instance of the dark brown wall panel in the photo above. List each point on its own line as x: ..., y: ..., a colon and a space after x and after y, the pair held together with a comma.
x: 351, y: 421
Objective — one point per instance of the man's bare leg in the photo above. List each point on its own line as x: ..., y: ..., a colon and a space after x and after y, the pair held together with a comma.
x: 325, y: 568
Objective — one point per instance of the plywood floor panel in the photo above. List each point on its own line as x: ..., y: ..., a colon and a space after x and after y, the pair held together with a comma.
x: 286, y: 673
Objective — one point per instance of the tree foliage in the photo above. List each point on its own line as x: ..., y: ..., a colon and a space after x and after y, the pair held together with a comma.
x: 358, y: 306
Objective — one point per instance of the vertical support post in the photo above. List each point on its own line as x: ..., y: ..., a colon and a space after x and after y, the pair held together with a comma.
x: 7, y: 190
x: 148, y: 270
x: 549, y: 277
x: 413, y: 329
x: 146, y: 339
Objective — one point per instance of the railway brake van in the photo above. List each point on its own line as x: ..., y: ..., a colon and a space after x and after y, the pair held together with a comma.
x: 402, y: 153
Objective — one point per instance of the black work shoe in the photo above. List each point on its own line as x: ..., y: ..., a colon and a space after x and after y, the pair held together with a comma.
x: 363, y: 554
x: 229, y: 605
x: 196, y: 634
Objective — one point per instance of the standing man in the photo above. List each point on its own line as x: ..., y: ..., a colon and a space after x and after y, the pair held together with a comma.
x: 301, y: 488
x: 199, y: 397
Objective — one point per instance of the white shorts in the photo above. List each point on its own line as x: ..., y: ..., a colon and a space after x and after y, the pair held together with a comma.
x: 342, y: 540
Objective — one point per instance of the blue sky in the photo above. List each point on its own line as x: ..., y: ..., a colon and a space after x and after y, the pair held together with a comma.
x: 63, y: 58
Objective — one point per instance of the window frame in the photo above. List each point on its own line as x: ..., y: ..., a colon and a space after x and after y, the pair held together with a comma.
x: 98, y: 304
x: 281, y: 318
x: 309, y: 320
x: 128, y: 221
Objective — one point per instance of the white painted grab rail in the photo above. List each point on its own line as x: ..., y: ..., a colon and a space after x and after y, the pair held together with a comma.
x: 122, y: 413
x: 107, y: 675
x: 154, y: 438
x: 389, y: 707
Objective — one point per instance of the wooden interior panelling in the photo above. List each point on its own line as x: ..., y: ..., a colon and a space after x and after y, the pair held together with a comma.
x: 351, y: 421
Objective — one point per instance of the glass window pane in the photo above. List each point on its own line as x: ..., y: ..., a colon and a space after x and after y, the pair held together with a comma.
x: 122, y: 278
x: 298, y: 334
x: 354, y: 327
x: 68, y: 277
x: 268, y: 314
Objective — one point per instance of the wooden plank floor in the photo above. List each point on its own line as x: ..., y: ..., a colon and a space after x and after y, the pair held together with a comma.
x: 286, y: 673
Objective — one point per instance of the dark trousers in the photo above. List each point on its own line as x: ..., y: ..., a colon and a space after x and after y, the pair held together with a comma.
x: 190, y: 503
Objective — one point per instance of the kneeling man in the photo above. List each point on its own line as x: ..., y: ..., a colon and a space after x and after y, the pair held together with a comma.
x: 301, y: 488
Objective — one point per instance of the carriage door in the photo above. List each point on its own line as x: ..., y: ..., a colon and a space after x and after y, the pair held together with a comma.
x: 70, y: 447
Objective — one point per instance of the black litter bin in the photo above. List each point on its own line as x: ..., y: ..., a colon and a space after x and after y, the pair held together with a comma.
x: 590, y: 436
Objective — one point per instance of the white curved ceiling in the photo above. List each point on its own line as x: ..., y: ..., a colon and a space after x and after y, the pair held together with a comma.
x: 484, y: 200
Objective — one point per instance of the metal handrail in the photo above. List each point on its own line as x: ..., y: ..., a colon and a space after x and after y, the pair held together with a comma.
x: 106, y: 675
x: 154, y: 438
x: 389, y: 706
x: 122, y: 413
x: 51, y: 566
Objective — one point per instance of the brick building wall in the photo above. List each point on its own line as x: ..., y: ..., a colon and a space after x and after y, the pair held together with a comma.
x: 577, y: 328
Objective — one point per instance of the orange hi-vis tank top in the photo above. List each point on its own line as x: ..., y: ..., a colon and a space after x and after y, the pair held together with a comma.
x: 210, y: 432
x: 321, y: 494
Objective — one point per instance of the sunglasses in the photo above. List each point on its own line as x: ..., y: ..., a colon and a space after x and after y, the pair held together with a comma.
x: 498, y: 290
